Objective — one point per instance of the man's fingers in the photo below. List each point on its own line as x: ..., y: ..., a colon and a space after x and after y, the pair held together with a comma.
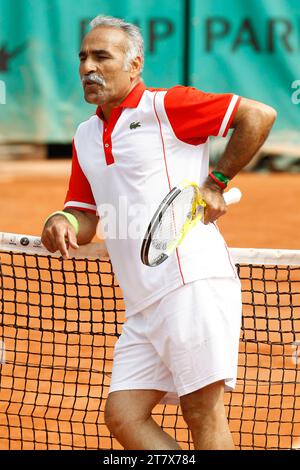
x: 48, y: 242
x: 62, y: 247
x: 209, y: 216
x: 213, y: 212
x: 60, y: 236
x: 215, y: 204
x: 72, y: 239
x: 65, y: 240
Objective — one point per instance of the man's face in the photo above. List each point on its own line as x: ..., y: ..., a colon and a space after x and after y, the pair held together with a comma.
x: 102, y: 57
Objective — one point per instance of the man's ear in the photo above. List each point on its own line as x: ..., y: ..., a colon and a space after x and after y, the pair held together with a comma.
x: 135, y: 67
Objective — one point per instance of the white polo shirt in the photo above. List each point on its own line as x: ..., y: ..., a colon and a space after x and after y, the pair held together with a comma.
x: 123, y: 168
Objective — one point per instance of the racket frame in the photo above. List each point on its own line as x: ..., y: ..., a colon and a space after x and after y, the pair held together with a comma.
x: 192, y: 218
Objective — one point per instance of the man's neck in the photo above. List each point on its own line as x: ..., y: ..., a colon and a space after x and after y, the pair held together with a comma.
x: 107, y: 108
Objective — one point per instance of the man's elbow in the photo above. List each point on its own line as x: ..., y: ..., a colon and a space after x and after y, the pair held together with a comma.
x: 255, y: 116
x: 261, y: 115
x: 268, y: 115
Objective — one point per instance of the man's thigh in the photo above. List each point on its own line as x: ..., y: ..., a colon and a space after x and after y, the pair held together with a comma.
x: 203, y: 400
x: 134, y: 404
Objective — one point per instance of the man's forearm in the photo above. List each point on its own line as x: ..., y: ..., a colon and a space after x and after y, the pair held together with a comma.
x: 249, y: 134
x: 252, y: 123
x: 87, y: 225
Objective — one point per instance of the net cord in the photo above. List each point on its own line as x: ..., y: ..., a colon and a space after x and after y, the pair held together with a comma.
x: 18, y: 243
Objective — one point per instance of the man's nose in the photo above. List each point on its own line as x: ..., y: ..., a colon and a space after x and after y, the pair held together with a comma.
x: 87, y: 66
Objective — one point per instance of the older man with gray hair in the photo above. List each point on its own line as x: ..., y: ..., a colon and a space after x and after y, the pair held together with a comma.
x: 180, y: 341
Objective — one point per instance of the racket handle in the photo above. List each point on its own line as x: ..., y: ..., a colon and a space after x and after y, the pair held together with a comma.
x: 232, y: 196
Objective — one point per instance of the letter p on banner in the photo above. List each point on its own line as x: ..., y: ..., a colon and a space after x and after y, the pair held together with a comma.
x: 2, y: 352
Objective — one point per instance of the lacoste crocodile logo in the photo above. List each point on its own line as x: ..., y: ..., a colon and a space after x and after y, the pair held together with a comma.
x: 134, y: 125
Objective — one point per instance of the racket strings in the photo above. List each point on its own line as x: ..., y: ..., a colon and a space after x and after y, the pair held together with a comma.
x: 170, y: 226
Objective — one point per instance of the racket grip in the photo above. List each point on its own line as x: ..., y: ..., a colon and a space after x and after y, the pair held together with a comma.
x: 232, y: 196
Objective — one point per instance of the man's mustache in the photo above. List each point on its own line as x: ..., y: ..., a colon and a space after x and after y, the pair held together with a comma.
x: 94, y: 78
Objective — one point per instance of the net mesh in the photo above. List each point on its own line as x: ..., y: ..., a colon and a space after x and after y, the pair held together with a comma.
x: 60, y: 320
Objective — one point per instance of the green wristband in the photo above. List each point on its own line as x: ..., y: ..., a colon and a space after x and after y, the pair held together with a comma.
x: 221, y: 177
x: 70, y: 218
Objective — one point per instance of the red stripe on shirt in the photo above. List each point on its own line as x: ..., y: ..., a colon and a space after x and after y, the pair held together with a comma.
x: 166, y: 168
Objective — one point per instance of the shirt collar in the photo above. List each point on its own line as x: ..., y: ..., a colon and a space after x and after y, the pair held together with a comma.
x: 131, y: 101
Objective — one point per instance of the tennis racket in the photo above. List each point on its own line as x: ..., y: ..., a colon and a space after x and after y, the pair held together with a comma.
x: 176, y: 215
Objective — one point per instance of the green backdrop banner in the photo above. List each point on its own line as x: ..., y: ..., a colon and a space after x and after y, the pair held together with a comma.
x: 251, y: 48
x: 248, y: 47
x: 39, y: 45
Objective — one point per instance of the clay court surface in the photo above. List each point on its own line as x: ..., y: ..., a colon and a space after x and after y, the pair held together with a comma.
x: 267, y: 217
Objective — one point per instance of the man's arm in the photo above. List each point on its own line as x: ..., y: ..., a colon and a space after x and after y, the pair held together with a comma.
x: 252, y: 124
x: 58, y: 233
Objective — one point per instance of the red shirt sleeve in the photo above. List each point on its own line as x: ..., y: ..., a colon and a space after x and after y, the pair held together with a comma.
x: 195, y: 115
x: 79, y: 195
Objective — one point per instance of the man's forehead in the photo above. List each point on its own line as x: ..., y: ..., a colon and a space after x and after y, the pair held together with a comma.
x: 104, y: 37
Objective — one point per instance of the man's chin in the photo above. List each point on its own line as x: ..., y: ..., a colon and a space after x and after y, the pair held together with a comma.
x: 92, y: 98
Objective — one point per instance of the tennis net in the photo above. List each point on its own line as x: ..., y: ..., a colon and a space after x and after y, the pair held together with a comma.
x: 61, y: 318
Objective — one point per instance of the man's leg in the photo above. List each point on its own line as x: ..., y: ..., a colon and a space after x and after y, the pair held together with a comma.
x: 205, y: 415
x: 128, y: 417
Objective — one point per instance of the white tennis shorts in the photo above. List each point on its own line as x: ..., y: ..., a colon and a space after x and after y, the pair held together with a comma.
x: 183, y: 342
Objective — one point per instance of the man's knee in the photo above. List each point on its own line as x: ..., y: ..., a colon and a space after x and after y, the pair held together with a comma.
x: 116, y: 415
x: 123, y: 409
x: 204, y: 407
x: 112, y: 418
x: 200, y: 418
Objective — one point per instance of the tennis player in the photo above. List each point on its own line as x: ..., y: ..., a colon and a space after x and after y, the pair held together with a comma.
x: 180, y: 340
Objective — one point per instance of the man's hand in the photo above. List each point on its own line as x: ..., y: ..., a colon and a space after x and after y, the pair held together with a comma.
x: 59, y: 235
x: 215, y: 204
